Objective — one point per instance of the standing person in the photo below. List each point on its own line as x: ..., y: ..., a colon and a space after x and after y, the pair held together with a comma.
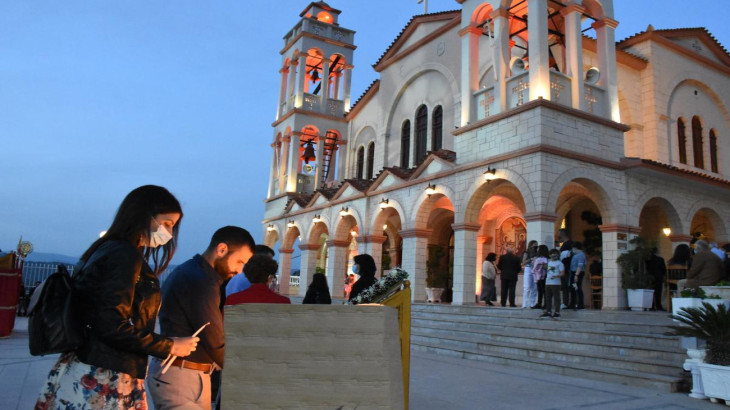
x: 539, y: 269
x: 489, y: 275
x: 707, y: 269
x: 509, y: 265
x: 318, y: 292
x: 529, y: 287
x: 116, y: 293
x: 566, y: 254
x: 258, y: 269
x: 365, y: 267
x: 190, y: 298
x: 240, y: 282
x: 577, y: 273
x: 555, y: 271
x: 657, y: 269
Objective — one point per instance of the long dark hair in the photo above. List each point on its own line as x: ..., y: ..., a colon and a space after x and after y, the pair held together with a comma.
x: 133, y: 220
x: 682, y: 254
x: 319, y: 283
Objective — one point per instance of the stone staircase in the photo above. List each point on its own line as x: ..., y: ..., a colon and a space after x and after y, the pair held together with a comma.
x: 615, y: 346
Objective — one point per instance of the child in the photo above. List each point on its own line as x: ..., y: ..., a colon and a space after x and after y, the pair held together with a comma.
x: 555, y: 271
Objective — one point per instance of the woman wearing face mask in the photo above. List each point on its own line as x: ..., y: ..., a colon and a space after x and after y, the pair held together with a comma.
x: 365, y: 267
x: 117, y: 296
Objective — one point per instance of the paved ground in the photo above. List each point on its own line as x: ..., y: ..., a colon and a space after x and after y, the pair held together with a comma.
x: 436, y: 383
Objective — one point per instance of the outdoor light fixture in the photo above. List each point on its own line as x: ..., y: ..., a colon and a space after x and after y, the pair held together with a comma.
x: 430, y: 189
x: 344, y: 211
x: 383, y: 203
x: 490, y: 174
x: 290, y: 224
x: 667, y: 231
x: 269, y: 227
x: 353, y: 232
x: 317, y: 218
x: 101, y: 234
x: 385, y: 227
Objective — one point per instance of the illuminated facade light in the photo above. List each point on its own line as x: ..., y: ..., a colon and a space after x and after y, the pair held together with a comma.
x: 317, y: 219
x: 490, y: 174
x: 344, y: 211
x: 667, y: 231
x: 430, y: 189
x: 383, y: 203
x: 269, y: 227
x: 290, y: 224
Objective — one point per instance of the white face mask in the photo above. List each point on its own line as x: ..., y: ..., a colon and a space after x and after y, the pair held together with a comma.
x: 356, y: 269
x: 159, y: 237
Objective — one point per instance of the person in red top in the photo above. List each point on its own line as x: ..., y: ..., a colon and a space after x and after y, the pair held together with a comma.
x: 257, y: 270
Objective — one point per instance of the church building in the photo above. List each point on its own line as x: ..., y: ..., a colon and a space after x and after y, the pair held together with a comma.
x: 490, y: 126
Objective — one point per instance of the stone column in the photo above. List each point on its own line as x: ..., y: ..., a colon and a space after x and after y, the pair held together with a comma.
x: 606, y: 43
x: 372, y: 245
x: 574, y: 53
x: 284, y: 270
x: 348, y: 82
x: 615, y: 242
x: 293, y: 164
x: 318, y: 172
x: 541, y: 228
x: 415, y: 256
x: 337, y: 79
x: 273, y: 179
x: 283, y: 164
x: 336, y: 267
x: 299, y: 100
x: 537, y: 22
x: 292, y: 82
x: 501, y: 56
x: 325, y: 82
x: 469, y: 72
x: 307, y: 266
x: 465, y: 263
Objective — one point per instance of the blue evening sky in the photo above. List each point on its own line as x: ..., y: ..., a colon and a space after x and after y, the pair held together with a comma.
x: 99, y: 97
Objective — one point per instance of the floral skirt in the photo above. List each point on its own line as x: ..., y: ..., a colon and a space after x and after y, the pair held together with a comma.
x: 74, y: 385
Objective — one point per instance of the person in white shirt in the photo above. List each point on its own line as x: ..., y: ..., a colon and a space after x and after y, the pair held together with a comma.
x: 489, y: 275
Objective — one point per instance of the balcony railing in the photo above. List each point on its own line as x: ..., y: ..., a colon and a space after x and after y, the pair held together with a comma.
x: 518, y: 90
x: 560, y: 88
x: 595, y: 98
x: 293, y: 281
x: 485, y: 103
x: 321, y: 29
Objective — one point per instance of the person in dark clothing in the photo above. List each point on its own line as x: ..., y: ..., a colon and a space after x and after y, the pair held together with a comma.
x: 510, y: 266
x: 365, y: 267
x: 566, y: 248
x: 657, y: 269
x: 318, y: 292
x: 117, y: 294
x: 190, y: 299
x: 682, y: 256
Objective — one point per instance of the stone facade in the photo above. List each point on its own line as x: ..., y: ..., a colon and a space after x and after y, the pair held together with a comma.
x: 516, y: 148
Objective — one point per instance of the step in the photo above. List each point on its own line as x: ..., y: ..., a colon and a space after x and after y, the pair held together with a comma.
x: 553, y: 332
x: 553, y: 352
x: 656, y: 381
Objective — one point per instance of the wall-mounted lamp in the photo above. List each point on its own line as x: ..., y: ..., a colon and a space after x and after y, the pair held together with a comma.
x: 353, y: 232
x: 430, y: 189
x: 317, y: 219
x: 385, y: 227
x: 290, y: 224
x: 667, y: 231
x: 490, y: 174
x: 269, y: 227
x: 344, y: 211
x: 383, y: 203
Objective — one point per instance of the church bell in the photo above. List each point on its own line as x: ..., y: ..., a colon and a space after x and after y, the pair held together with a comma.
x: 308, y: 154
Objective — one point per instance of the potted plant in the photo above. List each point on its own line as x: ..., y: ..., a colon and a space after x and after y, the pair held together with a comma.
x: 721, y: 289
x: 634, y: 277
x: 693, y: 298
x: 711, y: 324
x: 436, y: 276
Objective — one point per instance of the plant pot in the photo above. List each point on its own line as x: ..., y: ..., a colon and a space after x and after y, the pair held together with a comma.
x: 640, y: 299
x: 715, y: 381
x: 679, y: 303
x: 721, y: 291
x: 434, y: 295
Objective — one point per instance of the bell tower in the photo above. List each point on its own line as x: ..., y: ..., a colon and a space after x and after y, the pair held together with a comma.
x: 314, y: 95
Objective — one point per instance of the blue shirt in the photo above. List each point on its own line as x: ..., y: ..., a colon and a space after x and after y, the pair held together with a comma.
x: 578, y: 261
x: 238, y: 283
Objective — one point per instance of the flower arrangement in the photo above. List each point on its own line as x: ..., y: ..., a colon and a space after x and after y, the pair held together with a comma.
x: 382, y: 288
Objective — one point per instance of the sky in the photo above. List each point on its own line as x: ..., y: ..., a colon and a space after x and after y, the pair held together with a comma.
x: 98, y: 97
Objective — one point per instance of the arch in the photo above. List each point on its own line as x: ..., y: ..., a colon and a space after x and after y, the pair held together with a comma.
x: 379, y: 216
x: 271, y: 237
x: 718, y: 225
x: 654, y: 197
x: 317, y: 229
x: 437, y: 128
x: 421, y: 132
x: 425, y: 204
x: 370, y: 160
x: 481, y: 13
x: 502, y: 188
x: 405, y: 143
x: 713, y: 151
x: 291, y: 236
x: 469, y: 211
x: 360, y: 162
x: 595, y: 8
x: 342, y: 230
x: 682, y: 140
x: 602, y: 192
x: 697, y: 143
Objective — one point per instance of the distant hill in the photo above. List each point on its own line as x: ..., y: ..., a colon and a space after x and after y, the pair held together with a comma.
x: 51, y: 257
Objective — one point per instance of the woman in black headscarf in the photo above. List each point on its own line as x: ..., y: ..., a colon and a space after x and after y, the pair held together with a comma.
x: 318, y: 292
x: 365, y: 267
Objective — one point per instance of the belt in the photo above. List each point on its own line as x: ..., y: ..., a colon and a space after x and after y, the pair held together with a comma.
x: 203, y: 367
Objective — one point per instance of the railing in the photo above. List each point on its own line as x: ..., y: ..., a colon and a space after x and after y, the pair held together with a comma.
x: 336, y: 108
x: 38, y: 272
x: 282, y: 109
x: 293, y: 281
x: 311, y: 102
x: 518, y: 90
x: 560, y: 88
x: 320, y: 29
x: 485, y: 103
x: 595, y: 98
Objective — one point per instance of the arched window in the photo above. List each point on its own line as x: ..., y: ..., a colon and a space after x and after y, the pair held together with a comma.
x: 713, y: 151
x: 360, y: 161
x: 437, y: 129
x: 371, y: 158
x: 682, y: 140
x: 697, y: 142
x: 405, y: 143
x: 421, y: 133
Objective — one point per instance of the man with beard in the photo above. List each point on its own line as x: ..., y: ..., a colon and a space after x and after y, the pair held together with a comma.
x: 191, y: 297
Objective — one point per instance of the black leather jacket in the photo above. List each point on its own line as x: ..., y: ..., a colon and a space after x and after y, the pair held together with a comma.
x: 118, y: 296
